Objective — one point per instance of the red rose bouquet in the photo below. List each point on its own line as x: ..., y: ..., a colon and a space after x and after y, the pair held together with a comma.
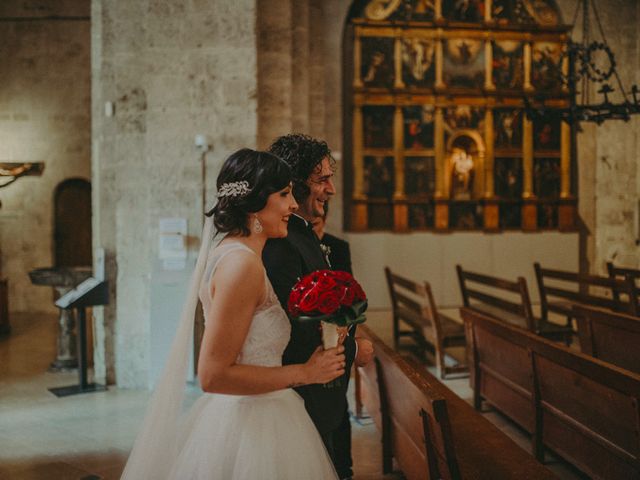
x: 334, y: 298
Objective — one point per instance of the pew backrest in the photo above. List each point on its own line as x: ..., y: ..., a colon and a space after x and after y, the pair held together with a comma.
x: 584, y: 409
x: 610, y: 336
x: 577, y: 288
x: 497, y: 297
x: 621, y: 273
x: 419, y: 430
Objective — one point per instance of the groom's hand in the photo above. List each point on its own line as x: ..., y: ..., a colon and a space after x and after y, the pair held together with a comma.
x: 364, y: 352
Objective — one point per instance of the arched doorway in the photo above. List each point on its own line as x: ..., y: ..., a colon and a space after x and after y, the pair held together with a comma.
x: 72, y: 223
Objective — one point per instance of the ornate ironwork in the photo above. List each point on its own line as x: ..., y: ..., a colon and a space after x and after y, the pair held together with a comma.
x: 586, y: 71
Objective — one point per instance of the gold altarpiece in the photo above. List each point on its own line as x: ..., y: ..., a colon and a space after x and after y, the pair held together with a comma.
x: 437, y: 137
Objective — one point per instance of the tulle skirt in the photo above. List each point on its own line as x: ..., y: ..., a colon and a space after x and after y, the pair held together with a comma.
x: 256, y: 437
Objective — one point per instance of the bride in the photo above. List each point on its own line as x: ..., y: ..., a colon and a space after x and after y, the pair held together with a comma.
x: 249, y: 423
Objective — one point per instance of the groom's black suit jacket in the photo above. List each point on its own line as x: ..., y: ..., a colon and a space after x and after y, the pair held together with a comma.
x: 287, y: 260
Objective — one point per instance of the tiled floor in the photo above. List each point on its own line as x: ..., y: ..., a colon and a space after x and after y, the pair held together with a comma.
x: 87, y: 437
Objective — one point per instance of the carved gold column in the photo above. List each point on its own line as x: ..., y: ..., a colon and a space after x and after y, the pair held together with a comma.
x: 565, y: 72
x: 439, y: 60
x: 397, y: 45
x: 529, y: 208
x: 488, y: 66
x: 487, y: 10
x: 357, y: 60
x: 491, y: 206
x: 441, y: 194
x: 567, y: 204
x: 400, y: 208
x: 527, y: 67
x: 359, y: 205
x: 437, y: 10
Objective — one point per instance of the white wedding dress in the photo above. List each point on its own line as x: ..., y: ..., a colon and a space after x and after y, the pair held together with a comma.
x: 251, y: 437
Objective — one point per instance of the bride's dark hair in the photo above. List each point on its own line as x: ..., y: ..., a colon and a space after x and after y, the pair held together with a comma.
x: 265, y: 174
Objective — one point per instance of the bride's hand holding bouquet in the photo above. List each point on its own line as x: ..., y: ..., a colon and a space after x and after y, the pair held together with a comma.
x: 334, y: 298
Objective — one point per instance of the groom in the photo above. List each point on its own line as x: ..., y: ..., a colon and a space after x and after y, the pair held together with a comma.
x: 287, y: 260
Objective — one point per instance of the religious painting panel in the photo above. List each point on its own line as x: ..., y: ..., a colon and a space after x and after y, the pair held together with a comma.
x: 465, y: 215
x: 418, y: 62
x: 508, y: 65
x: 415, y: 10
x: 546, y: 132
x: 508, y: 177
x: 547, y: 215
x: 546, y: 66
x: 463, y: 117
x: 378, y: 126
x: 421, y: 215
x: 502, y: 12
x: 510, y: 214
x: 546, y: 177
x: 379, y: 176
x: 418, y: 127
x: 507, y: 125
x: 377, y: 62
x: 380, y: 216
x: 470, y: 11
x: 419, y: 176
x: 464, y: 63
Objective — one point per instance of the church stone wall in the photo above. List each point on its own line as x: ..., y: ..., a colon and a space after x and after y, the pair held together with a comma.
x: 44, y: 117
x: 171, y: 69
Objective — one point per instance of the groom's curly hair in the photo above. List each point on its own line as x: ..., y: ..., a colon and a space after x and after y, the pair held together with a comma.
x: 303, y: 154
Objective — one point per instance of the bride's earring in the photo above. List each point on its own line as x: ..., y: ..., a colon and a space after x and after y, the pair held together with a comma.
x: 257, y: 226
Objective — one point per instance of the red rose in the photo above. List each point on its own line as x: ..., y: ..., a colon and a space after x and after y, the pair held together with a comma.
x: 326, y: 282
x: 328, y: 302
x: 309, y: 301
x: 347, y: 296
x: 358, y: 292
x: 293, y: 305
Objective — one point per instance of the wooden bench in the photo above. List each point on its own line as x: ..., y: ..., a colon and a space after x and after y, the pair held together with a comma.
x: 5, y: 326
x: 412, y: 419
x: 413, y: 305
x: 508, y: 301
x: 584, y: 409
x: 394, y: 390
x: 611, y: 337
x: 576, y: 288
x: 620, y: 273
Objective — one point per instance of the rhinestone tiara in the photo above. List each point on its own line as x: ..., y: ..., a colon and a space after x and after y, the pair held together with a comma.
x: 234, y: 189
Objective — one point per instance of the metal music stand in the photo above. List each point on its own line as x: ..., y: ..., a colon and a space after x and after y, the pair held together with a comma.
x: 90, y: 293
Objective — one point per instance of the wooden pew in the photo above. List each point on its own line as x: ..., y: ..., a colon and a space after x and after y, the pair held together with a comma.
x: 620, y: 273
x: 413, y: 305
x: 476, y: 446
x: 581, y: 289
x: 611, y: 337
x: 508, y: 301
x: 584, y: 409
x: 412, y: 419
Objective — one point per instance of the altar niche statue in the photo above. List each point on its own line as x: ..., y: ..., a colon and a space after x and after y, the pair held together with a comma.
x: 462, y: 174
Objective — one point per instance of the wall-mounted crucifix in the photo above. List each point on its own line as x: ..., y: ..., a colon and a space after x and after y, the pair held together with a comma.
x: 11, y: 171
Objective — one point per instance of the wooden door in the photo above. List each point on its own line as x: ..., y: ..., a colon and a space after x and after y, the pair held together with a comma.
x: 72, y: 220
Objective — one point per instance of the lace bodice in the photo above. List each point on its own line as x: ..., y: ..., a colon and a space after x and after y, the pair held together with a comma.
x: 270, y: 330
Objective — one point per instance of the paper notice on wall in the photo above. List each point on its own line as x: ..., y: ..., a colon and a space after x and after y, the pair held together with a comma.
x: 172, y: 238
